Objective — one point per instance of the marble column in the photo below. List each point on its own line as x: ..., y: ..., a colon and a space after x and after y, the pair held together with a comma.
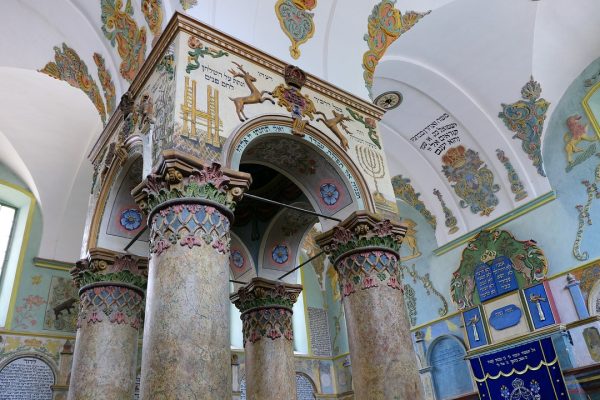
x: 365, y: 253
x: 186, y: 352
x: 266, y: 308
x: 111, y: 298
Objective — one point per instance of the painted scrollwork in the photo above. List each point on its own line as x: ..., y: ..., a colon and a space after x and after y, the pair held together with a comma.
x: 526, y: 118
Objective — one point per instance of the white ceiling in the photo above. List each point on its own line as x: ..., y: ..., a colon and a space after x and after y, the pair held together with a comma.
x: 464, y: 58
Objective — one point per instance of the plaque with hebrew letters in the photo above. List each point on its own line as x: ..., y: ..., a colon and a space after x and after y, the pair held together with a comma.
x: 26, y: 378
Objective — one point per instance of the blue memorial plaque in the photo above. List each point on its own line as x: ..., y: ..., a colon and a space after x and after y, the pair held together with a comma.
x: 527, y: 371
x: 496, y: 278
x: 474, y: 328
x: 505, y: 317
x: 484, y: 280
x: 539, y: 306
x: 504, y: 275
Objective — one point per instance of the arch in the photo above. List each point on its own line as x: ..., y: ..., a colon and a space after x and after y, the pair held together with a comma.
x: 272, y: 124
x: 594, y: 299
x: 302, y: 390
x: 450, y: 374
x: 112, y: 168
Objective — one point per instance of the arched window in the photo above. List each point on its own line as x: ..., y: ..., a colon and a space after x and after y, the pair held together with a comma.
x: 7, y: 219
x: 17, y: 207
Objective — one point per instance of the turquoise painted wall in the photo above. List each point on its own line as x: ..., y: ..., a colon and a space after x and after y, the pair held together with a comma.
x: 554, y: 226
x: 39, y: 289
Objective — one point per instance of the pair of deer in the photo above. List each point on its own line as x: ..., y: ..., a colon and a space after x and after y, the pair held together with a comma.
x: 257, y: 96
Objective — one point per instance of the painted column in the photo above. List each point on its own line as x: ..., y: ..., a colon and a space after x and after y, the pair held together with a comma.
x: 186, y: 352
x: 365, y: 253
x: 577, y: 297
x: 111, y: 301
x: 266, y: 308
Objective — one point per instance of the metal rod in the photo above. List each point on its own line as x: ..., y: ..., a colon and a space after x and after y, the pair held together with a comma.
x: 251, y: 196
x: 240, y: 282
x: 135, y: 238
x: 301, y: 265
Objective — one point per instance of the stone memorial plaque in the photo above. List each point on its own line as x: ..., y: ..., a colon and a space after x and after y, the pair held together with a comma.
x: 26, y: 378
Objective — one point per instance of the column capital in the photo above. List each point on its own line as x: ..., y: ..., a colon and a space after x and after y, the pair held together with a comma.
x: 261, y: 293
x: 361, y: 230
x: 179, y: 177
x: 266, y: 308
x: 107, y: 266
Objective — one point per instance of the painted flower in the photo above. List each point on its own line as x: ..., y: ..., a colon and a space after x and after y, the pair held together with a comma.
x: 369, y: 282
x: 504, y: 392
x: 131, y: 219
x: 393, y: 283
x: 237, y: 259
x: 370, y: 123
x: 273, y: 334
x: 190, y: 241
x: 329, y: 193
x: 254, y: 336
x: 280, y: 254
x: 348, y: 289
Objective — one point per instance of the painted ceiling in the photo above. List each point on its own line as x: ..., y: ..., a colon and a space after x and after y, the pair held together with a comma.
x: 462, y: 152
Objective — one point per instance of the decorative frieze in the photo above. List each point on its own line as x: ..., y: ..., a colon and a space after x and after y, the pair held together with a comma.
x: 266, y: 308
x: 119, y: 305
x: 103, y: 265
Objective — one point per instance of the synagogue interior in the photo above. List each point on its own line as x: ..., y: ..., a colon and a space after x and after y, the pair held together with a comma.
x: 299, y: 199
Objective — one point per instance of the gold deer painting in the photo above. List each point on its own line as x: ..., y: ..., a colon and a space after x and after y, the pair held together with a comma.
x: 256, y: 96
x: 332, y: 124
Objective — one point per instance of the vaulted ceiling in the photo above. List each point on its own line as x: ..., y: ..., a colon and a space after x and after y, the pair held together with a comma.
x: 454, y: 65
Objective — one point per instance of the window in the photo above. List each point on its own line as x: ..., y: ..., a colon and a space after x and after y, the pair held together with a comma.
x: 7, y: 219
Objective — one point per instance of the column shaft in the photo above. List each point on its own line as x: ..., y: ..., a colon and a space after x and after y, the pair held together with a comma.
x: 105, y: 356
x: 266, y: 308
x: 186, y: 352
x: 365, y: 253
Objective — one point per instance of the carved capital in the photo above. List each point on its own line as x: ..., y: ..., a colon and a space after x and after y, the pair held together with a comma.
x: 359, y: 232
x: 111, y: 287
x: 179, y: 177
x: 106, y: 266
x: 266, y: 308
x: 365, y: 252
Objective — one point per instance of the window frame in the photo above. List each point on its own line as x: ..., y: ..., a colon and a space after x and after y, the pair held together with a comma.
x: 10, y: 238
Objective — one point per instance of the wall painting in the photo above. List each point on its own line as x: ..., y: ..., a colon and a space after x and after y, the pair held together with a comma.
x: 69, y: 67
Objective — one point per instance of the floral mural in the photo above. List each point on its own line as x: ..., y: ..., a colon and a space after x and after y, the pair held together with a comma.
x: 296, y: 21
x: 385, y: 25
x: 26, y: 310
x: 404, y: 190
x: 122, y: 31
x: 471, y: 180
x: 69, y: 67
x: 526, y: 118
x: 528, y: 262
x: 153, y: 14
x: 108, y: 86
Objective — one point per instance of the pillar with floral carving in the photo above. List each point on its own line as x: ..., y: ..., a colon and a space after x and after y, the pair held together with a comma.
x: 365, y: 253
x: 266, y: 312
x: 190, y: 205
x: 111, y: 296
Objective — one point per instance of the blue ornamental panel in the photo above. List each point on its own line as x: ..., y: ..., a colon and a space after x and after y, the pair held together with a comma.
x: 505, y: 317
x: 496, y: 278
x: 529, y: 371
x: 539, y: 306
x: 474, y: 328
